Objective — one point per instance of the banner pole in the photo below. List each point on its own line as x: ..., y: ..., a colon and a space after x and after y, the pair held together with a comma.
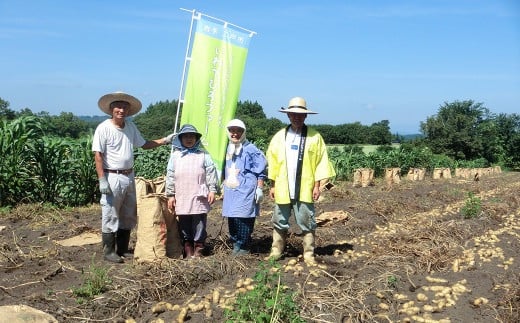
x: 186, y: 59
x: 251, y: 33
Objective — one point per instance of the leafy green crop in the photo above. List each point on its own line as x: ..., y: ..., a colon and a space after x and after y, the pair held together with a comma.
x: 269, y: 301
x: 473, y: 206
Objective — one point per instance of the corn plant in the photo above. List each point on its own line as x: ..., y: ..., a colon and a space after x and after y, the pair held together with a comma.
x: 346, y: 160
x: 51, y: 168
x: 16, y: 175
x: 476, y: 163
x: 82, y: 182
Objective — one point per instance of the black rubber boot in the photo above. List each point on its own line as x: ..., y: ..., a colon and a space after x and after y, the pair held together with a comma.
x: 122, y: 241
x: 109, y: 248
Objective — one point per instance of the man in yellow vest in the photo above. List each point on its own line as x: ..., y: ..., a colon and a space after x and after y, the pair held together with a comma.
x: 298, y: 161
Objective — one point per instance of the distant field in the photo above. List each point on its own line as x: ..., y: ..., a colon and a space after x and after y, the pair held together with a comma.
x: 366, y: 148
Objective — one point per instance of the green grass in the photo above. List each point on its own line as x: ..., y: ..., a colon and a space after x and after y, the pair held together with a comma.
x: 366, y: 148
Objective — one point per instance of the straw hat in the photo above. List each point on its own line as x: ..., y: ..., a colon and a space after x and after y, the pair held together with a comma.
x: 105, y: 101
x: 297, y: 105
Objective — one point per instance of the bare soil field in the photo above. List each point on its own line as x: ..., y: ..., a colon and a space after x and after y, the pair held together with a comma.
x: 401, y: 253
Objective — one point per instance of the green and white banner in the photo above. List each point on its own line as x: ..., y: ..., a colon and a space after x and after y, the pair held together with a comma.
x: 216, y: 67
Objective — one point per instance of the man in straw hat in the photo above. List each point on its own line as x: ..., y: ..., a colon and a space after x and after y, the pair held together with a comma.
x: 298, y: 161
x: 113, y: 146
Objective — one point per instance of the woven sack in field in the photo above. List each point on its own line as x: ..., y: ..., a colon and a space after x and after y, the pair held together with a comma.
x: 363, y: 177
x: 157, y: 230
x: 159, y: 184
x: 357, y: 178
x: 367, y: 177
x: 143, y: 187
x: 392, y: 176
x: 415, y: 174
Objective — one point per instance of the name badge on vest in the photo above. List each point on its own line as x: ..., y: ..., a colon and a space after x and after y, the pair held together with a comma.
x: 294, y: 147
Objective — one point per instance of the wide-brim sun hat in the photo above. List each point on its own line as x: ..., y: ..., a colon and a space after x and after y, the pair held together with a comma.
x: 297, y: 105
x: 236, y: 123
x: 188, y: 128
x: 105, y: 101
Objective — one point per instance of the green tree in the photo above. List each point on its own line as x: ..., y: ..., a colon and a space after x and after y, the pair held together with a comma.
x: 508, y: 133
x: 67, y: 125
x: 5, y: 112
x: 379, y: 133
x: 249, y: 109
x: 457, y: 129
x: 24, y: 112
x: 260, y: 131
x: 352, y: 134
x: 329, y: 132
x: 259, y: 128
x: 158, y: 120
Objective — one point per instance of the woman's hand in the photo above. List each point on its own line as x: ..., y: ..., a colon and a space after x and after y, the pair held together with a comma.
x: 171, y: 204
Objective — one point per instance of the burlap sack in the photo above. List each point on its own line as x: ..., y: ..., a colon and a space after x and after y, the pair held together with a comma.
x: 159, y: 184
x: 392, y: 176
x: 416, y: 174
x: 367, y: 177
x: 446, y: 173
x: 441, y: 173
x: 437, y: 173
x: 363, y: 177
x: 143, y: 187
x: 357, y: 178
x: 421, y: 172
x: 157, y: 230
x: 412, y: 174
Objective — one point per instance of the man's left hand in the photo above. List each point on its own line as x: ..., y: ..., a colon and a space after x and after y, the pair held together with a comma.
x: 316, y: 193
x: 168, y: 139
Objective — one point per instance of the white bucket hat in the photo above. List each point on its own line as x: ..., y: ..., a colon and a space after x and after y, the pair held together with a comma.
x: 297, y: 105
x: 105, y: 101
x: 239, y: 124
x: 236, y: 123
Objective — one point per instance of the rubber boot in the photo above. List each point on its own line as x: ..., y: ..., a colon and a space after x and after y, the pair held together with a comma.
x: 308, y: 248
x: 239, y: 250
x: 188, y: 249
x: 278, y: 245
x: 199, y: 249
x: 109, y: 248
x: 122, y: 241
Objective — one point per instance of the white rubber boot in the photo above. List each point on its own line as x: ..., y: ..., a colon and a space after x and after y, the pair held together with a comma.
x: 308, y: 248
x: 278, y: 244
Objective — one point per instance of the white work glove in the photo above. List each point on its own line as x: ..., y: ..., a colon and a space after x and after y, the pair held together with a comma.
x: 168, y: 139
x: 259, y: 195
x: 104, y: 188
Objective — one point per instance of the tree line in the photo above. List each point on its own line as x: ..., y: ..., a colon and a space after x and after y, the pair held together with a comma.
x: 461, y: 130
x: 158, y: 119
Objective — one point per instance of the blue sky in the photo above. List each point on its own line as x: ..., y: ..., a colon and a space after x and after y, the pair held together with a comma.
x: 354, y: 61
